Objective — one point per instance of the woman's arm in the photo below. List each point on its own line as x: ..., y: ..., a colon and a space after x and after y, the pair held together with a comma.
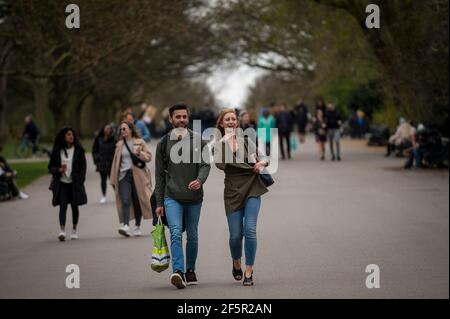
x: 53, y: 167
x: 144, y: 154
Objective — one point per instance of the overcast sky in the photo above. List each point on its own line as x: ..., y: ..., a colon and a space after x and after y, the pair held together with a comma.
x: 231, y: 86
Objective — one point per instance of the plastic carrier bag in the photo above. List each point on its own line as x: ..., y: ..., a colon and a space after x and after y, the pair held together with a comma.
x: 160, y: 250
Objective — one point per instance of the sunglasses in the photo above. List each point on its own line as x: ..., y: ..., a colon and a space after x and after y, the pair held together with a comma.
x: 123, y: 129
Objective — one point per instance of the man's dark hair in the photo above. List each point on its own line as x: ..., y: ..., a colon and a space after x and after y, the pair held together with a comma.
x: 177, y: 107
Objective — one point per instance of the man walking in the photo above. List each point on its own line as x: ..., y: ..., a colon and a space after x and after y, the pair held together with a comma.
x: 179, y: 191
x: 333, y: 121
x: 285, y: 126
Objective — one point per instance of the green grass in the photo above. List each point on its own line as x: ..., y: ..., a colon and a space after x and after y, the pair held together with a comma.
x: 28, y: 172
x: 8, y: 150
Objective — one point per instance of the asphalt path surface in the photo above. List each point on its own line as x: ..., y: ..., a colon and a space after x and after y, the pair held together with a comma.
x: 319, y: 227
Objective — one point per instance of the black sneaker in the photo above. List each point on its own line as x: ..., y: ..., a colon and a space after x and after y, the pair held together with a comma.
x: 177, y: 279
x: 191, y: 278
x: 248, y: 281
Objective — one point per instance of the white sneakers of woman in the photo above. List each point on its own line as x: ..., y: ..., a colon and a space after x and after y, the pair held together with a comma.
x: 62, y: 236
x: 124, y: 230
x: 137, y: 231
x: 103, y: 200
x: 22, y: 195
x: 74, y: 235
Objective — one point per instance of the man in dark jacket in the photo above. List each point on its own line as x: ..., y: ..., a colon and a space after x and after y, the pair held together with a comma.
x: 31, y: 132
x: 302, y: 118
x: 285, y: 126
x: 333, y: 121
x: 179, y: 191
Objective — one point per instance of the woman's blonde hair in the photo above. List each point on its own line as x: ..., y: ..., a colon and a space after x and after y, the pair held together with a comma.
x: 222, y: 115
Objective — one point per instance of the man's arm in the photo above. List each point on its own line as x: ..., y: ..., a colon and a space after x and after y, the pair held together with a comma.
x: 160, y: 175
x: 204, y: 169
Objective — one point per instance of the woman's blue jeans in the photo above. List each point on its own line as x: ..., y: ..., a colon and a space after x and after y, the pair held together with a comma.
x: 242, y: 224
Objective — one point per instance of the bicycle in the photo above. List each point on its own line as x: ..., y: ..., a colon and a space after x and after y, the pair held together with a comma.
x: 24, y: 149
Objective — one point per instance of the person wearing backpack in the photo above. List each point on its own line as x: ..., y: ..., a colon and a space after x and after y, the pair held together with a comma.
x: 179, y: 191
x: 131, y: 179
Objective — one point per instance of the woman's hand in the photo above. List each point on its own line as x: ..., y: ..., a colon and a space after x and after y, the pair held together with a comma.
x: 259, y: 166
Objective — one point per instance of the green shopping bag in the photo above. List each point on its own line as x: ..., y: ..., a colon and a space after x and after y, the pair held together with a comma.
x: 293, y: 143
x: 160, y: 250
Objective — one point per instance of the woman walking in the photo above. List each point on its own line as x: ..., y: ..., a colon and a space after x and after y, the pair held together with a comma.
x: 68, y: 168
x: 320, y: 130
x: 103, y: 154
x: 243, y: 190
x: 131, y: 179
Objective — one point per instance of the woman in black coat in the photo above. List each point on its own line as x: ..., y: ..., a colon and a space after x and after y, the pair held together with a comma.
x: 68, y: 167
x: 103, y: 154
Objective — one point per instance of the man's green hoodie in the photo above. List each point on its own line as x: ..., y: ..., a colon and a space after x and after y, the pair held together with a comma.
x: 172, y: 179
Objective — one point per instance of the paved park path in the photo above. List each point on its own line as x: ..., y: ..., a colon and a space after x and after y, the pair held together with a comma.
x: 320, y: 225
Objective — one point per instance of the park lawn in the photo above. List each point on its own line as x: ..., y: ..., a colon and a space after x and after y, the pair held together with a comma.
x: 28, y: 172
x: 8, y: 150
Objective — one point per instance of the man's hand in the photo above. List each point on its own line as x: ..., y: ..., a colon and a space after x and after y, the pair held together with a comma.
x: 160, y: 211
x: 194, y: 185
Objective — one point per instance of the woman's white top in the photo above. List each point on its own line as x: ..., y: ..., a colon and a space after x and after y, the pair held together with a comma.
x: 125, y: 162
x: 66, y: 177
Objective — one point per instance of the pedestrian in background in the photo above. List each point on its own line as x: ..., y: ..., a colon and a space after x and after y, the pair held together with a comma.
x: 302, y: 118
x: 334, y: 122
x: 68, y: 168
x: 285, y: 126
x: 132, y: 184
x: 139, y: 125
x: 320, y: 131
x: 103, y: 154
x: 266, y: 122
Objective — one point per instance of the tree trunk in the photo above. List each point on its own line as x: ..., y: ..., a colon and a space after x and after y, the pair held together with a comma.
x: 42, y: 89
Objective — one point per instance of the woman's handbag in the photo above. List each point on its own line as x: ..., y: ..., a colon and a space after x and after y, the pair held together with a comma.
x: 266, y: 178
x: 160, y: 250
x: 136, y: 160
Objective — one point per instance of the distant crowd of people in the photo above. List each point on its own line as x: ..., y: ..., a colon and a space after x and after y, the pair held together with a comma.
x: 325, y: 123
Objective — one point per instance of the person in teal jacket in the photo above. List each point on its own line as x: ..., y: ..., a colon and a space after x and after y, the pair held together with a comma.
x: 266, y: 121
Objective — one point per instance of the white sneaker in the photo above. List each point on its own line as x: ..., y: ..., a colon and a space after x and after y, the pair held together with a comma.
x: 137, y: 231
x: 74, y: 235
x: 22, y: 195
x: 124, y: 231
x: 103, y: 200
x: 62, y: 236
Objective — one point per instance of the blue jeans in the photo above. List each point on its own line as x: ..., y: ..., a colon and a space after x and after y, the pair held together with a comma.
x: 242, y: 224
x: 175, y: 212
x: 418, y: 155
